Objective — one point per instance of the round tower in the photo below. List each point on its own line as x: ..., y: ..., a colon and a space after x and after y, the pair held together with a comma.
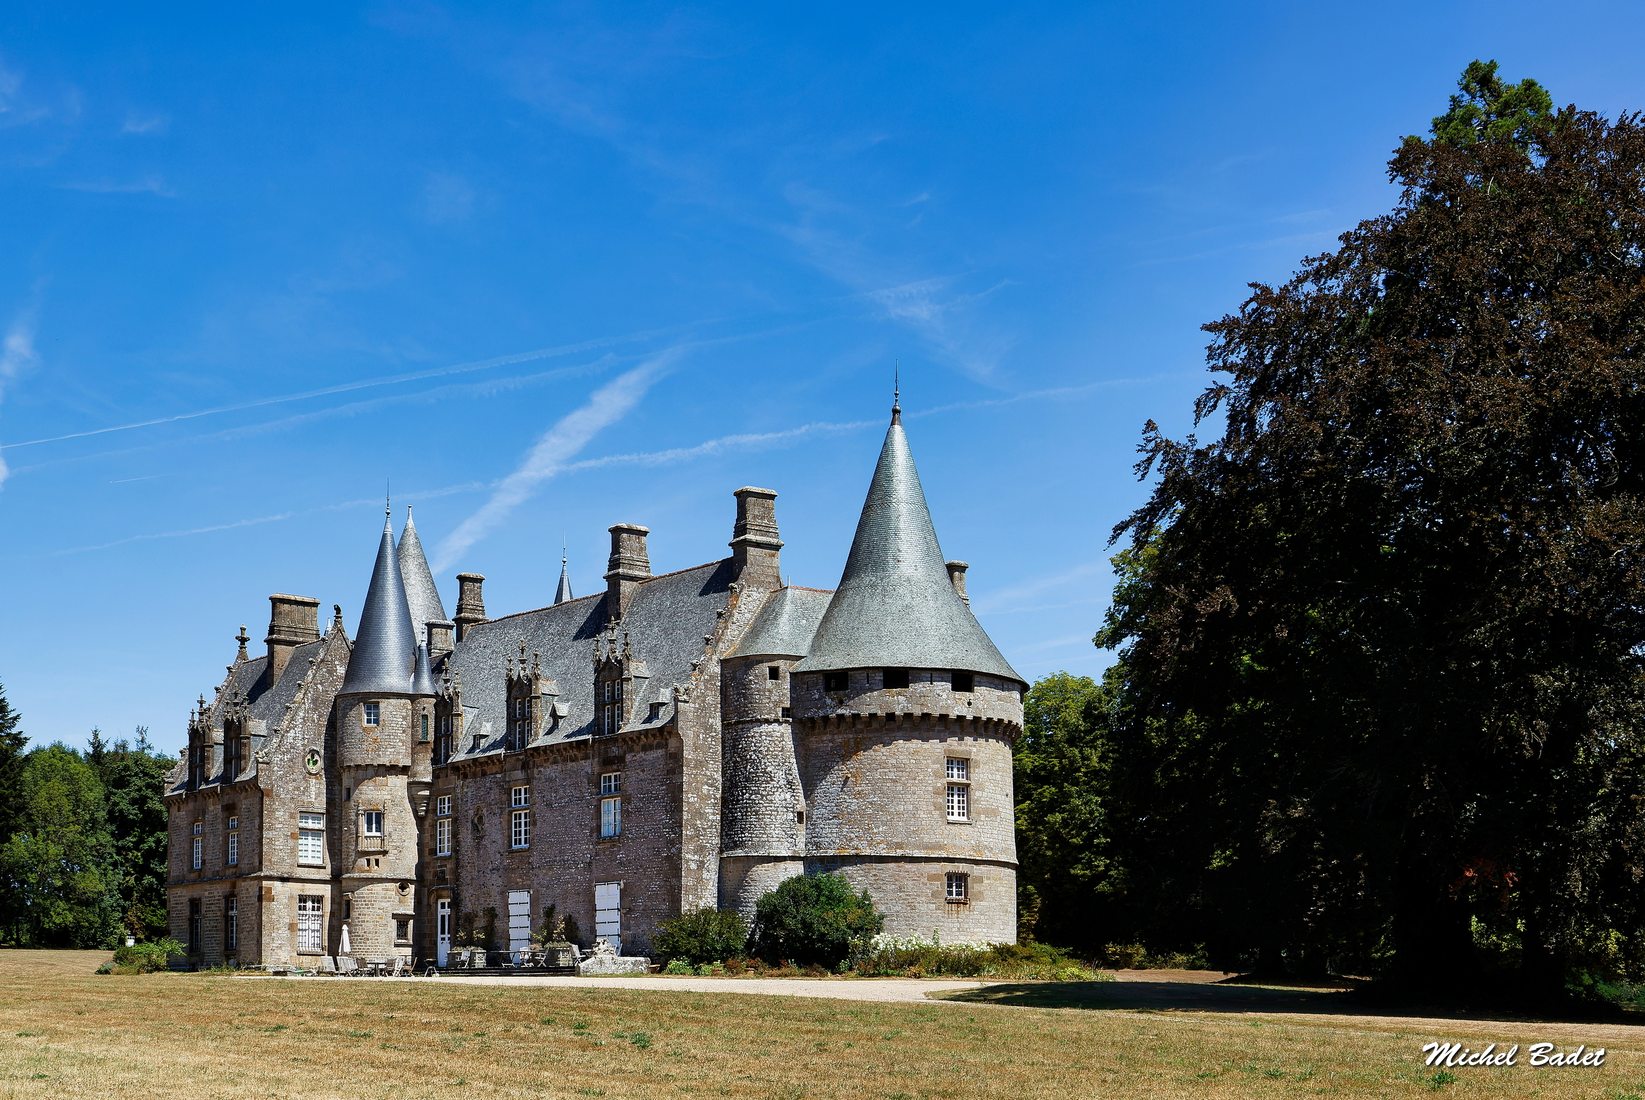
x: 904, y: 714
x: 762, y: 803
x: 382, y: 716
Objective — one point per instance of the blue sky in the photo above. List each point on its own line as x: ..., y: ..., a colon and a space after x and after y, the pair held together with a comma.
x: 546, y: 269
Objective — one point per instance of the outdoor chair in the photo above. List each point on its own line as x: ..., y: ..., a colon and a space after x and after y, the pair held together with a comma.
x: 347, y: 967
x: 328, y: 966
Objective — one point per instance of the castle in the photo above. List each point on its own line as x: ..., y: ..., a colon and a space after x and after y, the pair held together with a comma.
x: 674, y: 742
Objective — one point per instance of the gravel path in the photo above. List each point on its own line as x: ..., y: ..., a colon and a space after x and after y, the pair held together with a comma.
x: 840, y: 989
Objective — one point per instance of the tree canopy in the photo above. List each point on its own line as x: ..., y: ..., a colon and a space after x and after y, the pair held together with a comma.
x: 1379, y: 704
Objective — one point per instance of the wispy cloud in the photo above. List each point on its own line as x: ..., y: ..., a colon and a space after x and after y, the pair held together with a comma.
x: 553, y: 451
x: 145, y: 122
x: 17, y: 355
x: 1029, y: 593
x: 345, y: 387
x: 151, y: 184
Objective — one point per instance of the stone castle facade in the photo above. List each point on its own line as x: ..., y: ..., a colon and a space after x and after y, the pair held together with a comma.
x: 673, y: 742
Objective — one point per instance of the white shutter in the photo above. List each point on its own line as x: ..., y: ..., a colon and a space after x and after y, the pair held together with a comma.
x: 519, y: 920
x: 608, y: 912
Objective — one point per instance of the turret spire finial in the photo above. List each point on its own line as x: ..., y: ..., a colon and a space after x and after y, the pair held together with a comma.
x: 896, y: 392
x: 388, y: 509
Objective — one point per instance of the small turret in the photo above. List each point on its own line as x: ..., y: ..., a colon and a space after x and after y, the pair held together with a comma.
x: 385, y: 645
x: 422, y: 595
x: 563, y: 593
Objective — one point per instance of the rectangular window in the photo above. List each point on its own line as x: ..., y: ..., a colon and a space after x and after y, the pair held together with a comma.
x: 773, y: 672
x: 234, y: 849
x: 958, y: 770
x: 231, y: 924
x: 442, y: 837
x: 964, y: 682
x: 519, y: 796
x: 442, y: 738
x: 895, y: 677
x: 442, y: 805
x: 958, y: 887
x: 611, y: 817
x: 194, y: 926
x: 311, y: 839
x: 836, y: 681
x: 611, y: 783
x: 373, y: 714
x: 402, y: 929
x: 198, y: 847
x: 371, y: 822
x: 233, y: 822
x: 308, y: 922
x: 519, y: 829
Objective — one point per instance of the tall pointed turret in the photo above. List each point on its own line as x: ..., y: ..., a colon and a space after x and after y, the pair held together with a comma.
x: 385, y: 645
x: 421, y: 594
x: 422, y: 680
x: 895, y: 606
x: 563, y: 593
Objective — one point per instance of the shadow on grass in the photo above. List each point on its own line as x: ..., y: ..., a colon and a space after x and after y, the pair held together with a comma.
x: 1236, y: 995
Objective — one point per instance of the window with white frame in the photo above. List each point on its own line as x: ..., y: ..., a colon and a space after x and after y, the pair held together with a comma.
x: 231, y: 924
x: 371, y: 823
x: 611, y: 805
x: 519, y: 818
x: 959, y: 788
x: 234, y: 849
x: 311, y: 839
x: 442, y: 825
x: 197, y: 849
x: 308, y: 922
x: 373, y: 714
x: 958, y: 886
x: 402, y: 929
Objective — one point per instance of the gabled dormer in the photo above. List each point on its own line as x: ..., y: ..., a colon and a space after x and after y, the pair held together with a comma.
x: 448, y: 715
x: 619, y: 680
x: 524, y: 701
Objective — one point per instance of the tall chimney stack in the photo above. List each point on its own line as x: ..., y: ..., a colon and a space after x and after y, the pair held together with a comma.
x: 471, y: 605
x: 628, y: 565
x: 441, y: 636
x: 292, y: 621
x: 755, y: 547
x: 956, y: 577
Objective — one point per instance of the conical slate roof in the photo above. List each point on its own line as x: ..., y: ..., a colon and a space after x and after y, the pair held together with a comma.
x: 895, y: 606
x: 786, y: 624
x: 421, y: 594
x: 422, y: 680
x: 384, y: 646
x: 564, y: 592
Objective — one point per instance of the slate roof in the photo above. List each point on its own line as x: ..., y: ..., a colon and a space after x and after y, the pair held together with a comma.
x: 563, y: 593
x: 895, y: 606
x: 668, y: 617
x: 786, y: 624
x: 384, y: 646
x: 422, y: 595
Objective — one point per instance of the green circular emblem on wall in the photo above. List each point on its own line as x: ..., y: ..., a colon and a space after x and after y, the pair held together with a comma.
x: 312, y: 761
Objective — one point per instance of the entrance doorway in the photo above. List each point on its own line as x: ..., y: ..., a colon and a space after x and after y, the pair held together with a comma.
x: 442, y: 931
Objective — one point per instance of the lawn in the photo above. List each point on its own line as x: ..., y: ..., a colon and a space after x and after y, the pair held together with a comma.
x: 67, y: 1032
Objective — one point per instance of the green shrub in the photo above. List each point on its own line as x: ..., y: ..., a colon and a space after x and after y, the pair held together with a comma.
x: 679, y: 966
x: 702, y: 936
x: 814, y: 920
x: 145, y: 958
x: 916, y: 958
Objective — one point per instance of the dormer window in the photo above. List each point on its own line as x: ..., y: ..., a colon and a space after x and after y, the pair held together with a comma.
x: 611, y: 706
x: 373, y: 714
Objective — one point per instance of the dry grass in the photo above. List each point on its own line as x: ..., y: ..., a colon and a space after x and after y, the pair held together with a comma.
x: 67, y: 1032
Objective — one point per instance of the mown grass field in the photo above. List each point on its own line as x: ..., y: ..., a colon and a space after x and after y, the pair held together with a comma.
x: 67, y: 1032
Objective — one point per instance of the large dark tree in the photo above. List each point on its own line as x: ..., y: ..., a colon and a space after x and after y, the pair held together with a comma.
x: 1382, y: 636
x: 12, y: 740
x: 133, y: 778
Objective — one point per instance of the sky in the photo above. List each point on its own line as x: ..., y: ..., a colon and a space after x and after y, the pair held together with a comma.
x: 535, y: 270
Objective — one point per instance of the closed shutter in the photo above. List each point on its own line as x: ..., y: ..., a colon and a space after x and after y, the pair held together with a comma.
x: 519, y: 920
x: 608, y: 912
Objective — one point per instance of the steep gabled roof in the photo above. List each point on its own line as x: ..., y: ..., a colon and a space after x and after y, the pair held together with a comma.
x: 422, y: 595
x: 895, y: 606
x: 384, y: 646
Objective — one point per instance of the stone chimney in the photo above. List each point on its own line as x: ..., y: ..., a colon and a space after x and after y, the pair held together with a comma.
x: 956, y: 577
x: 441, y: 636
x: 628, y: 565
x: 292, y: 621
x: 755, y: 548
x: 471, y: 605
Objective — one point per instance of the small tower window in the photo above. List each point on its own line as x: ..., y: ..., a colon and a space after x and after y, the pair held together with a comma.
x: 422, y: 734
x: 965, y: 681
x: 958, y: 887
x: 773, y: 672
x: 836, y: 681
x: 373, y: 714
x: 895, y: 677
